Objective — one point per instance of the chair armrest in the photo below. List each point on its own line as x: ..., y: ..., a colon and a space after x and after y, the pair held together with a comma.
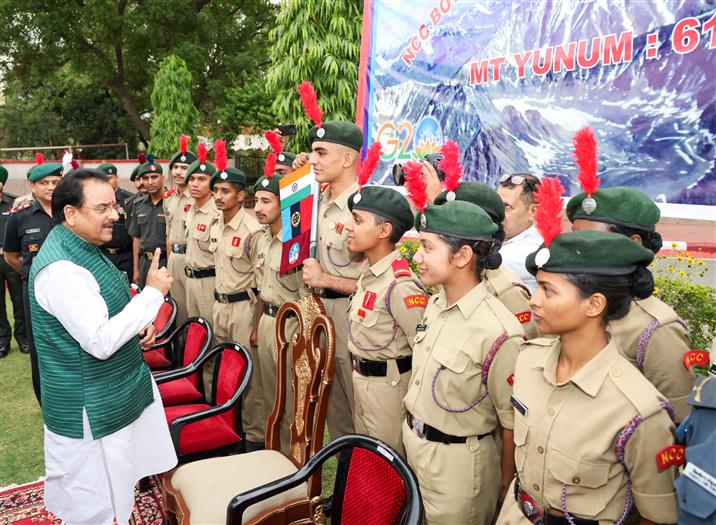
x: 178, y: 373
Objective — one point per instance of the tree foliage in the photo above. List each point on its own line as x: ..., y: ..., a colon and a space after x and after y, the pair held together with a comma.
x: 318, y: 41
x: 120, y: 44
x: 174, y: 110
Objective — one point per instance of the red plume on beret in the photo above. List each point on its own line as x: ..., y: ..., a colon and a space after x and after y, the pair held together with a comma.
x: 220, y: 155
x: 450, y: 164
x: 369, y: 164
x: 274, y: 142
x: 201, y: 153
x: 585, y: 153
x: 310, y: 103
x: 548, y: 216
x: 74, y: 164
x: 39, y: 158
x: 415, y: 184
x: 141, y: 158
x: 183, y: 143
x: 270, y: 164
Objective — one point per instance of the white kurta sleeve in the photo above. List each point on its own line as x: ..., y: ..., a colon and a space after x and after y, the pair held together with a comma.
x: 71, y: 294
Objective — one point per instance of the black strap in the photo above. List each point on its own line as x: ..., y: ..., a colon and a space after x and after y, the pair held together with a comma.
x: 433, y: 434
x: 199, y: 273
x: 331, y: 294
x: 368, y: 368
x: 233, y: 297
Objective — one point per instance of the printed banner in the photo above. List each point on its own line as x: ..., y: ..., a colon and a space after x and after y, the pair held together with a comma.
x: 297, y: 193
x: 511, y: 81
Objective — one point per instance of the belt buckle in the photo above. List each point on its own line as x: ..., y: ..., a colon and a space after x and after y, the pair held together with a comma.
x: 419, y: 428
x: 223, y: 297
x: 149, y: 255
x: 189, y: 272
x: 356, y: 364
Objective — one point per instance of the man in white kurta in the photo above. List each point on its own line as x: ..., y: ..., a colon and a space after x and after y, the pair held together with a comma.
x: 91, y: 480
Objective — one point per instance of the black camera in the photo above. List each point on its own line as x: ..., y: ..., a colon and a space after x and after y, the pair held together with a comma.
x: 432, y: 158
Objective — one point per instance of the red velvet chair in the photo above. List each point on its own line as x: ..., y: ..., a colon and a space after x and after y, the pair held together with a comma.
x: 200, y: 430
x: 159, y: 356
x: 188, y: 342
x: 374, y: 485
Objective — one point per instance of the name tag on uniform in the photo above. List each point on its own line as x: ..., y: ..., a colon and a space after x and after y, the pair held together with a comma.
x: 32, y: 230
x: 421, y: 327
x: 702, y: 478
x: 519, y: 405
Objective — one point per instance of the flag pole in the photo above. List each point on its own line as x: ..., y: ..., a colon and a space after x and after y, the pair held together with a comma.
x: 315, y: 190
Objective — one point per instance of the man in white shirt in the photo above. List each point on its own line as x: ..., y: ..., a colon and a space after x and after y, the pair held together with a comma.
x: 521, y: 236
x: 104, y: 421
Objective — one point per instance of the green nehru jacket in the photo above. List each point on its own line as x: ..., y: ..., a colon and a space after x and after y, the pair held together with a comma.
x: 385, y: 202
x: 592, y: 252
x: 234, y: 175
x: 460, y: 219
x: 477, y: 193
x: 337, y: 132
x: 620, y: 206
x: 115, y: 391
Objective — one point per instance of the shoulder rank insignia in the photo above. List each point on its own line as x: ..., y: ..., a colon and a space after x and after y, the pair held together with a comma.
x: 21, y: 207
x: 401, y: 268
x: 169, y: 193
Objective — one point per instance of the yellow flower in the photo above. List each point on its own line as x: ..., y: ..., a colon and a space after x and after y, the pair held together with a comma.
x: 700, y: 263
x: 403, y: 249
x: 656, y: 290
x: 674, y: 245
x: 679, y: 258
x: 672, y: 269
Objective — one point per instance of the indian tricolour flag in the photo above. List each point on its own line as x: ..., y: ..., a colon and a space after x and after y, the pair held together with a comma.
x: 299, y: 202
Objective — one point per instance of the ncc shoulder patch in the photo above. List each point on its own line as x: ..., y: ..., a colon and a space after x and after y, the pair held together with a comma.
x: 169, y: 192
x: 670, y: 456
x: 696, y: 357
x: 524, y: 317
x: 401, y: 268
x: 416, y: 301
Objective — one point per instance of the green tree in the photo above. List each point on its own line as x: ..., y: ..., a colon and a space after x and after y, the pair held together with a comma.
x: 121, y: 43
x: 174, y: 110
x: 318, y: 41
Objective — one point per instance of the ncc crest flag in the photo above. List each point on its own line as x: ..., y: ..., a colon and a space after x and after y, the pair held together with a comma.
x: 298, y: 200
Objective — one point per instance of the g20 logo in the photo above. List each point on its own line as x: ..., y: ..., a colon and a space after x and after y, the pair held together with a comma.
x: 403, y: 141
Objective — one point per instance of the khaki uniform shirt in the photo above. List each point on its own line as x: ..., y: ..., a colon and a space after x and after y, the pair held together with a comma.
x: 176, y: 207
x: 566, y: 434
x: 332, y: 249
x: 451, y: 346
x: 236, y: 252
x: 198, y: 232
x: 385, y: 310
x: 663, y: 356
x: 276, y: 288
x: 508, y: 288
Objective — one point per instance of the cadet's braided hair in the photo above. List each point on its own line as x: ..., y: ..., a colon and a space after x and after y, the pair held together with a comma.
x: 651, y: 240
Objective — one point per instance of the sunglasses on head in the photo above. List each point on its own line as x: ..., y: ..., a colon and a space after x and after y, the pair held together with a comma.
x: 530, y: 181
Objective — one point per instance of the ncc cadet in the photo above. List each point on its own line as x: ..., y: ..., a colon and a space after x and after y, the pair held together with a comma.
x: 284, y: 162
x: 176, y: 204
x: 119, y: 249
x: 148, y: 225
x: 234, y: 243
x: 11, y: 281
x: 591, y: 433
x: 199, y: 262
x: 500, y: 282
x: 276, y: 288
x: 385, y: 310
x: 25, y: 231
x: 463, y: 359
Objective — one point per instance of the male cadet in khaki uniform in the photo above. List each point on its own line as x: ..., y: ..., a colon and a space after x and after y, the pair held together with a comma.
x: 176, y: 204
x: 501, y: 283
x: 199, y: 261
x: 335, y: 148
x: 651, y: 336
x: 234, y: 243
x: 119, y: 249
x: 147, y: 225
x: 276, y: 288
x: 385, y: 310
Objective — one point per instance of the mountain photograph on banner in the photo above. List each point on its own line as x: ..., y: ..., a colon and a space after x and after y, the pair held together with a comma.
x: 297, y: 192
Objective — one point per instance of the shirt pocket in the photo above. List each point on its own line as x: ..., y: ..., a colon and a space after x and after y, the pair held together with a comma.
x: 585, y: 482
x: 457, y: 386
x: 31, y: 243
x: 202, y: 238
x: 238, y: 260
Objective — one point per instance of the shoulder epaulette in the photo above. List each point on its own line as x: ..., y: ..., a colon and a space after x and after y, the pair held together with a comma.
x: 541, y: 341
x: 401, y: 268
x: 632, y: 384
x: 324, y: 186
x: 659, y: 310
x: 23, y: 206
x: 169, y: 193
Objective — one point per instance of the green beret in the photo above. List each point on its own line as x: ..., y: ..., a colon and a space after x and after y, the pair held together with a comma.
x: 383, y: 201
x: 620, y: 206
x: 271, y: 185
x: 107, y: 168
x: 480, y: 194
x: 46, y: 169
x: 592, y: 252
x: 200, y: 169
x: 230, y: 175
x: 337, y: 132
x: 182, y: 158
x: 29, y: 171
x: 460, y: 219
x: 286, y: 159
x: 149, y: 167
x: 3, y: 174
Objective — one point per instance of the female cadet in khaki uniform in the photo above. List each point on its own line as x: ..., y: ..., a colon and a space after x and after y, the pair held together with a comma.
x: 385, y: 310
x: 592, y: 435
x: 463, y: 359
